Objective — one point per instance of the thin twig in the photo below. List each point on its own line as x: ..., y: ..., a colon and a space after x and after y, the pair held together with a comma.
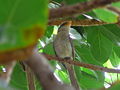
x: 30, y: 78
x: 81, y: 64
x: 79, y: 8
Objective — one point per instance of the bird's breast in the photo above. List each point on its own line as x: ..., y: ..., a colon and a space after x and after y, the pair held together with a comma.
x: 63, y: 47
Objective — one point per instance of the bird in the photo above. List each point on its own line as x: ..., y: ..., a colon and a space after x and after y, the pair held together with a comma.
x: 64, y: 49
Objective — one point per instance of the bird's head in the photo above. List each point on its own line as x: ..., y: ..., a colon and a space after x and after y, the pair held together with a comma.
x: 65, y: 26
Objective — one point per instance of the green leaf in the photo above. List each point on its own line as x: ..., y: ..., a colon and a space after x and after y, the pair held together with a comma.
x: 117, y: 50
x: 92, y: 14
x: 49, y: 31
x: 114, y: 59
x: 49, y: 49
x: 38, y: 85
x: 18, y: 78
x: 100, y: 46
x: 58, y: 1
x: 106, y: 15
x: 115, y: 56
x: 70, y: 1
x: 74, y: 1
x: 85, y: 54
x: 115, y: 87
x: 112, y: 32
x: 117, y: 4
x: 63, y: 76
x: 87, y: 78
x: 22, y: 22
x: 77, y: 72
x: 89, y: 81
x: 1, y: 69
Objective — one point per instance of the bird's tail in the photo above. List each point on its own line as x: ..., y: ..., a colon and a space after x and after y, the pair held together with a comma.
x: 72, y: 76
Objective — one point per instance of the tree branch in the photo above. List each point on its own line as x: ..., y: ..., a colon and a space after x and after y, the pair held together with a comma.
x: 81, y: 64
x: 85, y: 22
x: 114, y: 9
x: 44, y: 73
x: 79, y: 8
